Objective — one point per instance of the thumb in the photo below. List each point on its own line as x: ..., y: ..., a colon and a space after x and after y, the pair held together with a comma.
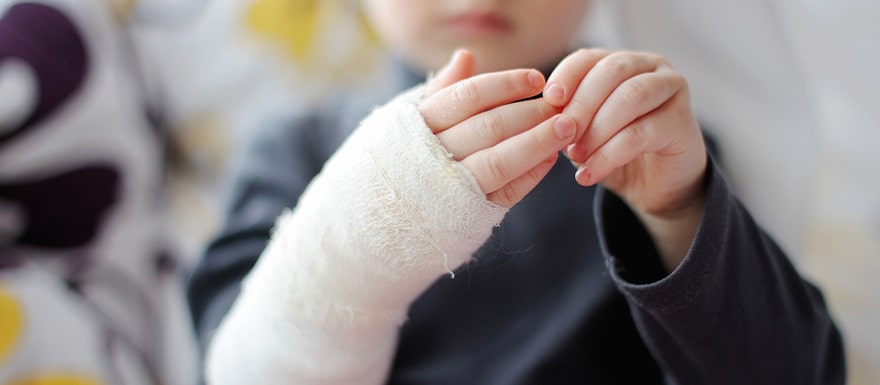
x: 460, y: 67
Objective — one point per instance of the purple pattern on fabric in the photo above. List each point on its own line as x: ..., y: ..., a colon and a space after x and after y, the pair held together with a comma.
x: 47, y: 41
x: 8, y: 260
x: 65, y: 210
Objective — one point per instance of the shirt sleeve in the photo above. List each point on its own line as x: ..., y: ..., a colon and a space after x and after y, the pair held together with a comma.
x: 735, y: 311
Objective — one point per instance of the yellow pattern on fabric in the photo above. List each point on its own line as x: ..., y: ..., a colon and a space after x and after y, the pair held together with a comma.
x: 293, y: 23
x: 11, y: 323
x: 122, y: 10
x: 57, y: 379
x: 325, y: 38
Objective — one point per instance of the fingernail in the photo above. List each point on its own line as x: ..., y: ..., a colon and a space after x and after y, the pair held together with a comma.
x: 536, y: 80
x: 564, y: 127
x: 576, y: 153
x: 555, y: 93
x: 582, y: 175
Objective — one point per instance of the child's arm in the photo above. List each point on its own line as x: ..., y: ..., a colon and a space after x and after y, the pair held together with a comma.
x: 735, y: 311
x: 730, y: 307
x: 638, y: 136
x: 395, y: 208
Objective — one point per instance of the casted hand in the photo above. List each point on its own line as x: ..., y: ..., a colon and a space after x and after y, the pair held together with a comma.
x: 636, y: 133
x: 508, y: 145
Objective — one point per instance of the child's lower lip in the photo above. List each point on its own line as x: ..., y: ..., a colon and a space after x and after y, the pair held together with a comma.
x: 478, y: 25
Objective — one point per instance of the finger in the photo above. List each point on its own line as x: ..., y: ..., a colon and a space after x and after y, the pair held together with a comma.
x: 635, y: 97
x: 606, y: 76
x: 461, y: 66
x: 639, y: 137
x: 499, y: 165
x: 516, y: 190
x: 494, y: 126
x: 568, y: 75
x: 452, y: 105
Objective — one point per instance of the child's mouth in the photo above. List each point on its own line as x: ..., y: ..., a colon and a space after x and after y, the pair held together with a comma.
x: 478, y: 24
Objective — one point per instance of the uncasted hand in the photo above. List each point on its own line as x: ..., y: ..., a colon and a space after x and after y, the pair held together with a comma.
x: 636, y: 133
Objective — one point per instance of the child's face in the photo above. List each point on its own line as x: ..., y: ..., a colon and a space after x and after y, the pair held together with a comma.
x: 502, y: 34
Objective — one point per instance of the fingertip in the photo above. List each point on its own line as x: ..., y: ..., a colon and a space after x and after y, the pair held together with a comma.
x: 555, y: 95
x: 576, y: 153
x: 536, y: 79
x: 464, y: 59
x: 565, y: 127
x: 583, y: 176
x: 459, y: 66
x: 459, y: 54
x: 455, y: 60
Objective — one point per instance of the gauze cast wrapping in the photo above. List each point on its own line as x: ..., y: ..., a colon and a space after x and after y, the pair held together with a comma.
x: 390, y: 213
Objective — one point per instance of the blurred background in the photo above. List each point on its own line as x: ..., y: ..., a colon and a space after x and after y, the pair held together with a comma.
x: 161, y: 95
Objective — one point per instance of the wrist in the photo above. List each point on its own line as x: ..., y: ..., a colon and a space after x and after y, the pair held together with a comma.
x: 673, y: 230
x: 389, y: 213
x: 332, y: 288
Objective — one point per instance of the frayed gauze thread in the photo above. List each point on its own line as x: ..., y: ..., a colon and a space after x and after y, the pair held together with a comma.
x: 390, y: 213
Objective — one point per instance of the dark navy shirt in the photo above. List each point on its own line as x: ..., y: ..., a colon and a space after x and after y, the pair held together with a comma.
x: 568, y: 290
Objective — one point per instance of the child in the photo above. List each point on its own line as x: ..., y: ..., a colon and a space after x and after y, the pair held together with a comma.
x: 658, y: 276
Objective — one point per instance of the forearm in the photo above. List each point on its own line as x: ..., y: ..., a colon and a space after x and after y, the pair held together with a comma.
x: 388, y: 215
x: 673, y: 233
x: 272, y: 338
x: 734, y: 311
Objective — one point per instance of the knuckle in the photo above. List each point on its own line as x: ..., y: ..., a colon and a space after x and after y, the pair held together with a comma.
x: 636, y: 134
x: 447, y: 143
x: 598, y: 159
x: 681, y: 82
x: 673, y: 80
x: 660, y: 60
x: 495, y: 166
x: 596, y: 52
x: 546, y: 138
x: 507, y: 196
x: 587, y: 55
x: 511, y: 83
x: 581, y: 53
x: 543, y: 111
x: 466, y: 92
x: 428, y: 115
x: 492, y: 127
x: 581, y: 112
x: 614, y: 66
x: 634, y: 93
x: 535, y: 174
